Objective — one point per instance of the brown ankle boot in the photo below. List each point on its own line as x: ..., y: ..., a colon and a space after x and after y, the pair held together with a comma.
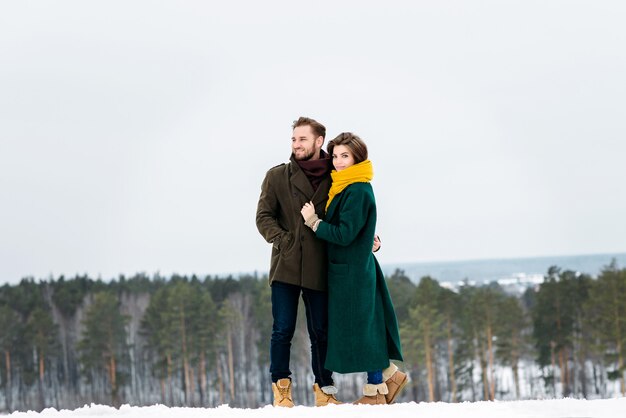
x: 373, y: 395
x: 282, y: 393
x: 325, y: 395
x: 395, y: 380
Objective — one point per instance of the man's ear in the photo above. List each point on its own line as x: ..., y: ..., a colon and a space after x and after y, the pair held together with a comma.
x: 319, y: 141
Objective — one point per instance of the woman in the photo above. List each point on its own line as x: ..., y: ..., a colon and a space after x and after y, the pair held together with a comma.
x: 362, y: 326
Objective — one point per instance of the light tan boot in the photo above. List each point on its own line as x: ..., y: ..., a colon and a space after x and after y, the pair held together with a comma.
x: 325, y: 395
x: 282, y: 393
x: 395, y: 380
x: 373, y: 394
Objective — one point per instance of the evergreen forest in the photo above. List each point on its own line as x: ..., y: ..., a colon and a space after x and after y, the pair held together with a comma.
x: 202, y: 342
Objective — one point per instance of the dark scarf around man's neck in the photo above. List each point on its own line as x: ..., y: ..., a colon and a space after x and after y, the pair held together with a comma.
x: 316, y: 170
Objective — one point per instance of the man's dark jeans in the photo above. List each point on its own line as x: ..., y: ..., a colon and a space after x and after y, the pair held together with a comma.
x: 284, y: 311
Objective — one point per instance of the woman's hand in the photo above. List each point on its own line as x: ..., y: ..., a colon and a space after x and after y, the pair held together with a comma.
x: 308, y: 210
x: 310, y: 217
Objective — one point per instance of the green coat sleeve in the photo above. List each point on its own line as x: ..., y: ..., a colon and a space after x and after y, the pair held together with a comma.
x: 352, y: 218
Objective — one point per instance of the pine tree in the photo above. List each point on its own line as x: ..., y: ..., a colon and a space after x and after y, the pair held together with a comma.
x: 161, y: 342
x: 481, y: 310
x: 206, y: 330
x: 229, y: 318
x: 263, y: 323
x: 42, y: 333
x: 606, y: 314
x: 9, y: 331
x: 103, y: 343
x: 557, y: 320
x: 449, y: 306
x: 401, y: 290
x: 513, y: 337
x: 424, y: 329
x: 180, y: 306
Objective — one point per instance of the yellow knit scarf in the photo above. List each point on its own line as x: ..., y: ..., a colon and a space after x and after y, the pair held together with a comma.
x: 362, y: 172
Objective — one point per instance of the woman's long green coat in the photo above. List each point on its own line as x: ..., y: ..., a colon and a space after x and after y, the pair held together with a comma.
x: 362, y: 326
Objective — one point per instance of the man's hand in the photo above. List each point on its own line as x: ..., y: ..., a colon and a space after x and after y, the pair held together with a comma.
x: 376, y: 245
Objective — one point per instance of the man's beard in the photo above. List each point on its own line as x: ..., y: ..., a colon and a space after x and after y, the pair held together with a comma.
x: 307, y: 156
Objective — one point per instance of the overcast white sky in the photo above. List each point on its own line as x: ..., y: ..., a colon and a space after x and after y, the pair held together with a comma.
x: 134, y: 135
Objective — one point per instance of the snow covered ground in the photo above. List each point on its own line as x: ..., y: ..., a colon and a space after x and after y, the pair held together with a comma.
x: 559, y: 408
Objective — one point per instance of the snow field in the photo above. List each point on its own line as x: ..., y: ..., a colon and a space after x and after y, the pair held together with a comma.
x: 555, y: 408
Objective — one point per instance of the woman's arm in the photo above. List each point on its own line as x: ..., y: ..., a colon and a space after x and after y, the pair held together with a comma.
x: 353, y: 216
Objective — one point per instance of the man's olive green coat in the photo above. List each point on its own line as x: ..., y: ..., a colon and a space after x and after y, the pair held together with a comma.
x: 362, y: 326
x: 298, y: 257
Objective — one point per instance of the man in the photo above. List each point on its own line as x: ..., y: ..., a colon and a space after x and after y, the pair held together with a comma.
x: 298, y: 263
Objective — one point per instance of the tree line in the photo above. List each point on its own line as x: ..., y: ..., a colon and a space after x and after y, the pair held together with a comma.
x: 190, y: 341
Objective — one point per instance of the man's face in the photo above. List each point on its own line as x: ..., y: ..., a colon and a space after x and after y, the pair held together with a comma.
x: 304, y: 145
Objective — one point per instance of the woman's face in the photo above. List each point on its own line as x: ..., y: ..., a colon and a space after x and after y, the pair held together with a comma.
x: 342, y: 157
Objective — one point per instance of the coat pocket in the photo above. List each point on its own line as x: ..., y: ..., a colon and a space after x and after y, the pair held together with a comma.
x: 286, y: 243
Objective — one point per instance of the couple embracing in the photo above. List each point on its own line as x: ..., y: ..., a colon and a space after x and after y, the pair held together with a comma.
x: 319, y: 213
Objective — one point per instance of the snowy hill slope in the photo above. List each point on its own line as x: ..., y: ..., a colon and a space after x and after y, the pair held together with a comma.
x: 559, y: 408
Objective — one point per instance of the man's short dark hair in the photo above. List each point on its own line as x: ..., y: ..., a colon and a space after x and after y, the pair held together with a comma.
x: 317, y: 128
